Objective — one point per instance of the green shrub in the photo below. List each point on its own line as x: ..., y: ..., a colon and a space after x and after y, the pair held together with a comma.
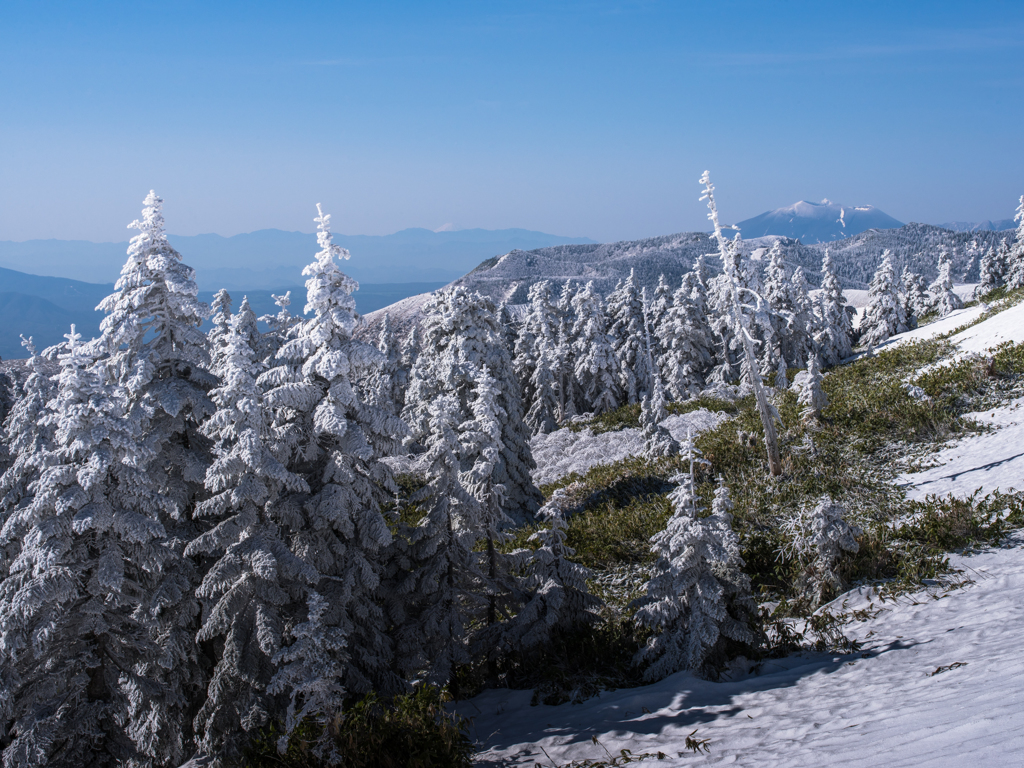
x: 412, y: 731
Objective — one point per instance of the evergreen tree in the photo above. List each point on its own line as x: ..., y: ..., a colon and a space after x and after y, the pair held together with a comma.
x: 659, y: 307
x: 596, y: 365
x: 834, y: 322
x: 804, y: 324
x: 885, y: 315
x: 156, y: 354
x: 812, y: 396
x: 625, y: 318
x: 249, y: 591
x: 74, y: 605
x: 279, y: 327
x: 326, y: 433
x: 818, y: 537
x: 535, y: 361
x: 946, y: 300
x: 460, y: 336
x: 221, y: 317
x: 1014, y: 264
x: 558, y: 595
x: 990, y: 276
x: 916, y: 302
x: 441, y: 589
x: 657, y: 440
x: 697, y: 597
x: 685, y: 334
x: 384, y: 388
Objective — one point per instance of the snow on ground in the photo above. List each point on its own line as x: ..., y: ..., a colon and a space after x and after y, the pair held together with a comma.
x: 897, y: 703
x: 564, y: 451
x: 989, y: 461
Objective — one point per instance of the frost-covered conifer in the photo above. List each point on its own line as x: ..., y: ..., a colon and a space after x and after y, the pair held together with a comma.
x: 818, y: 538
x: 558, y: 595
x: 685, y: 334
x: 324, y: 431
x: 384, y: 386
x: 656, y: 312
x: 460, y: 335
x: 441, y: 589
x: 1014, y: 263
x: 885, y: 315
x: 697, y: 597
x: 74, y: 607
x: 657, y: 440
x: 945, y: 299
x: 536, y: 360
x: 916, y: 302
x: 834, y: 322
x: 310, y: 674
x: 990, y: 275
x: 782, y: 374
x: 812, y: 397
x: 279, y: 326
x: 255, y: 579
x: 777, y: 291
x: 596, y: 365
x: 731, y: 296
x: 804, y: 324
x: 156, y: 354
x: 221, y: 318
x: 625, y: 327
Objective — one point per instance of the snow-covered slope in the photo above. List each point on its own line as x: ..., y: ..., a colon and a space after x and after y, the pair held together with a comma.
x: 900, y: 702
x: 999, y: 225
x: 817, y: 222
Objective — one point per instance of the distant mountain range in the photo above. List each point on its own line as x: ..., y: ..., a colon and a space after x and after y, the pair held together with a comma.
x: 272, y: 259
x: 817, y: 222
x: 980, y: 226
x: 45, y: 307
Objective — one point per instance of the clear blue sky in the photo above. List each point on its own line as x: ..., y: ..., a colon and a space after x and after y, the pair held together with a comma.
x: 588, y: 119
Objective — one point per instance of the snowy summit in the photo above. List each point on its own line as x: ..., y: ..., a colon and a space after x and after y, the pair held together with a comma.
x: 817, y: 222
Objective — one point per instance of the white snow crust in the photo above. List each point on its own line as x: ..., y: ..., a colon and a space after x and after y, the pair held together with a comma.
x: 884, y: 706
x: 563, y: 452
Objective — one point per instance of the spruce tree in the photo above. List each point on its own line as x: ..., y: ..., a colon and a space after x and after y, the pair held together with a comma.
x: 596, y: 365
x: 323, y: 431
x: 990, y: 276
x: 460, y: 335
x: 685, y: 334
x: 945, y: 299
x: 625, y: 327
x: 1014, y: 263
x: 158, y: 357
x: 697, y: 597
x: 249, y: 592
x: 885, y: 315
x: 75, y: 605
x: 812, y: 397
x: 835, y: 324
x: 916, y: 302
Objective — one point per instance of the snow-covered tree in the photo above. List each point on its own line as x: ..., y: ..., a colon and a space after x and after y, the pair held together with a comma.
x: 659, y: 306
x: 685, y: 336
x: 657, y: 440
x: 812, y: 397
x: 916, y: 302
x: 310, y: 674
x: 158, y: 357
x: 945, y: 299
x: 384, y: 385
x: 885, y: 315
x: 536, y: 360
x: 279, y: 325
x: 596, y: 365
x: 460, y: 335
x: 834, y: 322
x: 74, y: 607
x: 697, y: 597
x: 804, y: 325
x: 817, y: 538
x: 325, y: 432
x: 1014, y: 268
x: 990, y: 274
x: 221, y: 318
x: 558, y: 595
x: 249, y: 592
x: 625, y: 327
x: 440, y: 592
x: 732, y: 293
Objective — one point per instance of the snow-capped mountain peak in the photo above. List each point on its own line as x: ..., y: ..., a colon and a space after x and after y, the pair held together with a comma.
x: 817, y: 222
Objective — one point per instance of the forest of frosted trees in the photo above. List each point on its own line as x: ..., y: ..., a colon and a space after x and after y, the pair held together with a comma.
x: 200, y: 535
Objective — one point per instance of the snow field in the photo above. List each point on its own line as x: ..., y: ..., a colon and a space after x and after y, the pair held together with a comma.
x: 887, y: 705
x: 563, y: 452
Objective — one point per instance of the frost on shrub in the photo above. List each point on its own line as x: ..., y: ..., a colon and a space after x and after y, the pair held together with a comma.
x: 818, y: 539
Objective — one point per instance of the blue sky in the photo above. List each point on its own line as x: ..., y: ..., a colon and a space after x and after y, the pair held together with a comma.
x: 586, y: 119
